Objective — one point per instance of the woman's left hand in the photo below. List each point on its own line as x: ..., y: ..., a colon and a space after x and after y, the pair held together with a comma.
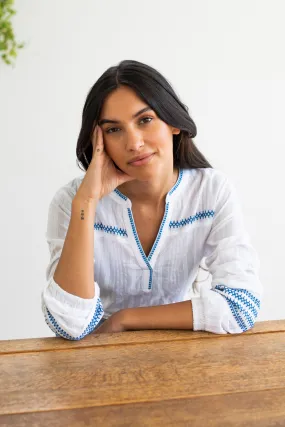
x: 113, y: 324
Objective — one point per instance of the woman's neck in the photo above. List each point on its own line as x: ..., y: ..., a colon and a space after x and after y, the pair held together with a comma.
x: 150, y: 193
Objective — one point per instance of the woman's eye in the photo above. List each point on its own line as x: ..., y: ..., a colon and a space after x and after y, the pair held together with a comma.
x: 149, y: 119
x: 109, y: 130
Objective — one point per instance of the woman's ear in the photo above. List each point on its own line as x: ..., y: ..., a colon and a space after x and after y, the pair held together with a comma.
x: 175, y: 131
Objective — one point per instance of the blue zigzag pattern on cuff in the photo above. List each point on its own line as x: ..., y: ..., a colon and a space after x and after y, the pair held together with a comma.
x: 54, y: 326
x: 191, y: 219
x: 109, y: 229
x: 244, y: 311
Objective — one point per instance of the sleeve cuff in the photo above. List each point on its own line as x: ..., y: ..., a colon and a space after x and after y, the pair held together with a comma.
x: 69, y: 315
x: 210, y: 313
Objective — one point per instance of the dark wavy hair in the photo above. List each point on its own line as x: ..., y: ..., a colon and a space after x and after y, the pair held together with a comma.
x: 157, y: 92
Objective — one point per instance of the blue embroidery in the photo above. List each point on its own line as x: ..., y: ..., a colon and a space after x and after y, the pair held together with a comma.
x: 159, y: 232
x: 240, y: 306
x: 59, y: 332
x: 120, y: 194
x: 147, y: 259
x: 191, y: 219
x: 178, y: 181
x: 180, y: 175
x: 140, y: 246
x: 110, y: 229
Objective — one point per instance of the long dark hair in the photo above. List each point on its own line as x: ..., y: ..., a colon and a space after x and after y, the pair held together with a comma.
x: 157, y: 92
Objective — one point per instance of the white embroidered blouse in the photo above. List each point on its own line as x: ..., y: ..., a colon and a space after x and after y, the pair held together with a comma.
x: 202, y: 223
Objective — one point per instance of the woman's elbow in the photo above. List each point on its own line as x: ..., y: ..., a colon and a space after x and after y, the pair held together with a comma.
x: 77, y: 331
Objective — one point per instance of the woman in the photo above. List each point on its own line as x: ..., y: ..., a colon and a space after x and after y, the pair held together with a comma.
x: 126, y: 240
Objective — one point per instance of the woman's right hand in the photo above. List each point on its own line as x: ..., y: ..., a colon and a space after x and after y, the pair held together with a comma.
x: 102, y: 176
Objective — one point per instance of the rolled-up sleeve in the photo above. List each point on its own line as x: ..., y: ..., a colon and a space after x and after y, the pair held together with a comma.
x: 232, y: 302
x: 67, y: 315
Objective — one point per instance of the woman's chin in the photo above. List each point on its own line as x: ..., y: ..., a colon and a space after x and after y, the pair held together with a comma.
x: 143, y: 174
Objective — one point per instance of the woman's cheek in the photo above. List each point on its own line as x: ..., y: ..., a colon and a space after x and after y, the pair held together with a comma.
x: 108, y: 147
x: 113, y: 152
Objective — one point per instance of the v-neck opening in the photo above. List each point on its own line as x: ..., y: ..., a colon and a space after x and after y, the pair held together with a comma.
x: 158, y: 236
x: 147, y: 259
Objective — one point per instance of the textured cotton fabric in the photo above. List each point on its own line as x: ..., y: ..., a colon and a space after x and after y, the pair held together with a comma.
x: 202, y: 223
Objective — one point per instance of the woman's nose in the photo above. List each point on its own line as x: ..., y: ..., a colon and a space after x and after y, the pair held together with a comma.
x: 134, y: 140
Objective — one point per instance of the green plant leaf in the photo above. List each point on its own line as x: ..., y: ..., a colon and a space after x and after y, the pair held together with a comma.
x: 8, y: 43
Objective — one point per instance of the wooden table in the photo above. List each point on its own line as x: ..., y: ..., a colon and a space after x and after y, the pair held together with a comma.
x: 146, y: 378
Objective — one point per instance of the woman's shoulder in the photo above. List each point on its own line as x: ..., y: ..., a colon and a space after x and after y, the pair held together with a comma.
x: 65, y: 193
x: 207, y: 179
x: 208, y: 173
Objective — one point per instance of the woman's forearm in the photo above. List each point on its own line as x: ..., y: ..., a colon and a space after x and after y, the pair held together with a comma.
x: 75, y: 269
x: 178, y: 315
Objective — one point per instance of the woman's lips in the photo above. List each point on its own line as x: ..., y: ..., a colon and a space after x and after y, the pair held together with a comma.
x: 142, y: 161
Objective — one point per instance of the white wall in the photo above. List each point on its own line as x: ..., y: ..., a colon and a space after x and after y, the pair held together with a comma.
x: 225, y: 59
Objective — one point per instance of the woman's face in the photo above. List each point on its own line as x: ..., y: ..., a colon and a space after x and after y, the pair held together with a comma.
x: 136, y: 136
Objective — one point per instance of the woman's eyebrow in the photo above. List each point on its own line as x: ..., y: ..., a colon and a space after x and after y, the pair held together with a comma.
x: 102, y: 121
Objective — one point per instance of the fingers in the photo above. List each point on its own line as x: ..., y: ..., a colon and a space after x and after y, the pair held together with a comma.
x: 97, y: 140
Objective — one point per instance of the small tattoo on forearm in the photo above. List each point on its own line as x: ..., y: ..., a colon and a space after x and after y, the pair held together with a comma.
x: 82, y: 213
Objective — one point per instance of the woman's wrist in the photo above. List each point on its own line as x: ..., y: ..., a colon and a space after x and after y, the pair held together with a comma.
x: 86, y: 201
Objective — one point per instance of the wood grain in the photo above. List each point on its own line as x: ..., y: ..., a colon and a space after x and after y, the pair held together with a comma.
x: 131, y: 337
x: 252, y: 409
x: 141, y: 372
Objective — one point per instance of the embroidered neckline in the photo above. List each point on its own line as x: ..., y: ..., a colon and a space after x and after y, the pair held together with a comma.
x: 171, y: 191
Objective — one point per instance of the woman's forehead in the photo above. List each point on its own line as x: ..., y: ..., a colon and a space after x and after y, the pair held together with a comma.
x: 122, y: 103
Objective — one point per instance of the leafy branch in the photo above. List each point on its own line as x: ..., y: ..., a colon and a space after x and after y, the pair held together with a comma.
x: 8, y: 43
